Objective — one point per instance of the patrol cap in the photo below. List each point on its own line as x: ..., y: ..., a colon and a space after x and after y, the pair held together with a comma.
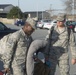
x: 32, y: 22
x: 60, y: 18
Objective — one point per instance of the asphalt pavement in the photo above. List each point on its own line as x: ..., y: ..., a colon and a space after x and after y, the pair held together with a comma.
x: 40, y: 34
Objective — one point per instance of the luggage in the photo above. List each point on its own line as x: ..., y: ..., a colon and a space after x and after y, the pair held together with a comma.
x: 41, y: 68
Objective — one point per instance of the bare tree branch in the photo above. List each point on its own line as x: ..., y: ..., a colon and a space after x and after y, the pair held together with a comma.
x: 69, y: 6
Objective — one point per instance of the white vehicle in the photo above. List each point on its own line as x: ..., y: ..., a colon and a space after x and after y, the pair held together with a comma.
x: 49, y: 24
x: 41, y: 23
x: 75, y: 29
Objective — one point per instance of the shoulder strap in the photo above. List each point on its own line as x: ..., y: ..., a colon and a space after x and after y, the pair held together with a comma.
x: 51, y: 31
x: 49, y: 40
x: 69, y: 31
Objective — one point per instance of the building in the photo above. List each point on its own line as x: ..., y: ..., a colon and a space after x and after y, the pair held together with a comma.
x: 4, y: 9
x: 38, y: 14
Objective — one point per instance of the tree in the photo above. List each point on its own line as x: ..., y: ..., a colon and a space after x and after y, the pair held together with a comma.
x: 15, y: 12
x: 70, y: 6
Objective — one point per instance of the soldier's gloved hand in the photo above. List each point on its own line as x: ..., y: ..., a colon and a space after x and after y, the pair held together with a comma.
x: 6, y: 70
x: 73, y: 61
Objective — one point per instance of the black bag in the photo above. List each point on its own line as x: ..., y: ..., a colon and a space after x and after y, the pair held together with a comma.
x: 41, y: 69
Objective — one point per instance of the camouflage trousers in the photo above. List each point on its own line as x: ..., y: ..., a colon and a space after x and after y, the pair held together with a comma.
x: 17, y: 69
x: 60, y: 59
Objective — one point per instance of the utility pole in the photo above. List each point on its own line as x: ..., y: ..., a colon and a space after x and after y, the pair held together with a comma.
x: 37, y: 11
x: 50, y: 10
x: 73, y: 9
x: 18, y: 7
x: 42, y: 14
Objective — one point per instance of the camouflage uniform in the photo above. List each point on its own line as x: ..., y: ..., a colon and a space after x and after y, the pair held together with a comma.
x: 59, y: 50
x: 17, y: 46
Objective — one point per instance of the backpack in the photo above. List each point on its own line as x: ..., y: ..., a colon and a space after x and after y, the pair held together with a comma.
x: 41, y: 69
x: 3, y: 42
x: 68, y: 30
x: 49, y: 39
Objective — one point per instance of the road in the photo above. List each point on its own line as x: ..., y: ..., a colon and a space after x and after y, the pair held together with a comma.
x: 40, y: 34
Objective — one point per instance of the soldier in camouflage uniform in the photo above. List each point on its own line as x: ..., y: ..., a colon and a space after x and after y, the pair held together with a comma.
x: 58, y: 54
x: 17, y: 48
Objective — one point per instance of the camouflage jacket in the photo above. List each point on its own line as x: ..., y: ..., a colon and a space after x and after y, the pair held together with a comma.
x: 17, y: 47
x: 60, y: 41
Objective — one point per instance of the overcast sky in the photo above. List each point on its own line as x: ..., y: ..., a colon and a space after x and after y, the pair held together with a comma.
x: 35, y: 5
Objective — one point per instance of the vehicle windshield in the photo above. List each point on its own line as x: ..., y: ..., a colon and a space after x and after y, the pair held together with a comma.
x: 2, y: 26
x: 70, y: 22
x: 47, y: 20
